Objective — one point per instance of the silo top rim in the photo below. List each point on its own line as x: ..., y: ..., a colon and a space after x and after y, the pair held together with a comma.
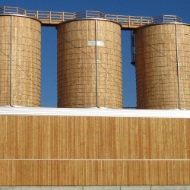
x: 82, y: 19
x: 174, y: 23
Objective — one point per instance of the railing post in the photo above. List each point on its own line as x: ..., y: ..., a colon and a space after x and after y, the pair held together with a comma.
x: 98, y: 14
x: 129, y: 21
x: 36, y: 14
x: 141, y: 21
x: 175, y: 18
x: 63, y: 15
x: 50, y: 17
x: 25, y: 12
x: 117, y: 18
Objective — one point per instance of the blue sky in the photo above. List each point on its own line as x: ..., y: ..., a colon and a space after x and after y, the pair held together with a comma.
x: 121, y: 7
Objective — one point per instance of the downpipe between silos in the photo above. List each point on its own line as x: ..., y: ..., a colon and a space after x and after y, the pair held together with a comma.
x: 11, y: 21
x: 178, y: 68
x: 96, y: 61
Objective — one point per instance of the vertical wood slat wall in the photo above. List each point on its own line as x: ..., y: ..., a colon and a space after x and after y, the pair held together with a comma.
x: 77, y: 61
x: 20, y: 44
x: 61, y: 150
x: 160, y: 51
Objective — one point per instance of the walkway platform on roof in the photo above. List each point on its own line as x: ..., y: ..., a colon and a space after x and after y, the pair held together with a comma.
x: 53, y: 18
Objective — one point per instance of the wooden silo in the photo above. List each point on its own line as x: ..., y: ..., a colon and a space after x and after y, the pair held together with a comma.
x: 162, y: 66
x: 20, y: 49
x: 89, y: 64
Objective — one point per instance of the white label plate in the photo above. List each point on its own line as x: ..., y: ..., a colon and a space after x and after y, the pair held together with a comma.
x: 94, y: 43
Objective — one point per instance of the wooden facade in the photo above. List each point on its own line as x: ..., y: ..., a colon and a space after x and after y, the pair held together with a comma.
x: 20, y: 44
x: 89, y: 64
x: 162, y: 66
x: 91, y: 150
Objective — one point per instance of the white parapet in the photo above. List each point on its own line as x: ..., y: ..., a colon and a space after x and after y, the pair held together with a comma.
x: 99, y: 112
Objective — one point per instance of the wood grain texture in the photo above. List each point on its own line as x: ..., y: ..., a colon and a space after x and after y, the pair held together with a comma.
x: 20, y: 44
x: 93, y: 172
x: 61, y: 150
x: 53, y: 137
x: 159, y: 51
x: 77, y: 84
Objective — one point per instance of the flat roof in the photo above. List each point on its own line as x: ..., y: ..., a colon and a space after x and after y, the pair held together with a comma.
x: 96, y: 112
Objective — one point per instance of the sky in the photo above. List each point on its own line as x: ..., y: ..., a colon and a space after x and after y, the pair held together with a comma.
x: 120, y: 7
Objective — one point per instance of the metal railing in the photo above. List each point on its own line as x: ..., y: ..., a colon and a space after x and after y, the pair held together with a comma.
x: 166, y: 19
x: 130, y: 20
x: 53, y: 17
x: 89, y: 14
x: 50, y: 15
x: 121, y: 19
x: 12, y: 10
x: 39, y: 15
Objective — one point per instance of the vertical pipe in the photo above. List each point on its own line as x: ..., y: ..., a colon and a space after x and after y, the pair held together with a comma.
x: 11, y: 61
x: 96, y: 61
x: 178, y: 68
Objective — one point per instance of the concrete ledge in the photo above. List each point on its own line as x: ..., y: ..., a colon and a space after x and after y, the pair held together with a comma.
x: 94, y: 187
x: 99, y: 112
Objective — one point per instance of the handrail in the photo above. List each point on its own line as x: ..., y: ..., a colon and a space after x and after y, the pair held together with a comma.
x: 135, y: 20
x: 166, y: 19
x: 53, y: 17
x: 37, y: 14
x: 89, y: 14
x: 121, y: 19
x: 11, y: 10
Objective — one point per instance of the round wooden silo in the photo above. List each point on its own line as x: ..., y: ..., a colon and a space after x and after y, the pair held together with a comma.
x: 20, y: 49
x: 163, y: 66
x: 89, y: 64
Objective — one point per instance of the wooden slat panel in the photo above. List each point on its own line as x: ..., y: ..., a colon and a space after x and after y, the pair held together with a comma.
x: 53, y: 150
x: 93, y: 137
x: 94, y: 172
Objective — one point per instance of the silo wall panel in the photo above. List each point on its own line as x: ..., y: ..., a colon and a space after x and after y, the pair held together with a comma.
x: 20, y: 44
x: 89, y: 64
x: 162, y: 66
